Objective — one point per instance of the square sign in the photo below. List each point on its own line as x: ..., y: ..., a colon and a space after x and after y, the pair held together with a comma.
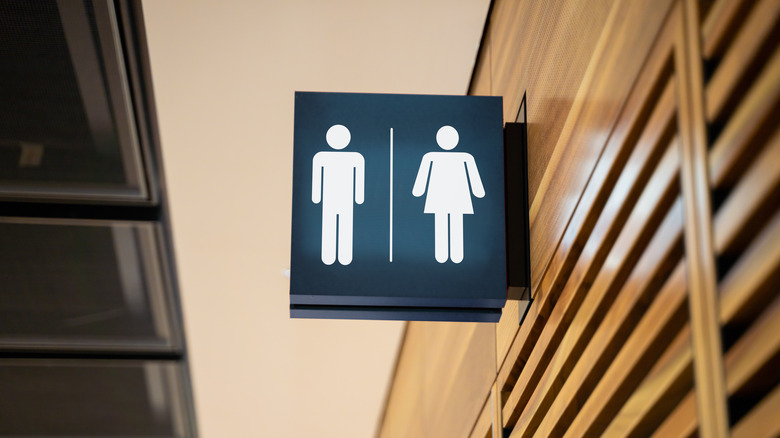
x: 398, y: 207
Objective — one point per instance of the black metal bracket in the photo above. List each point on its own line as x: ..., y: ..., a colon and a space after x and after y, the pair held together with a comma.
x: 518, y: 256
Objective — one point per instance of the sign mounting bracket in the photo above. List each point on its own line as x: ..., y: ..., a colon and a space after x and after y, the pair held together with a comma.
x: 518, y: 257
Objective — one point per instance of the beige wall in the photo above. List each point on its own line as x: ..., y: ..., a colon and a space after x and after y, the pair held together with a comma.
x: 224, y: 75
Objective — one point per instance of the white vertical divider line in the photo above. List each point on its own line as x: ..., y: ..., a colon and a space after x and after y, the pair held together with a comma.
x: 391, y: 195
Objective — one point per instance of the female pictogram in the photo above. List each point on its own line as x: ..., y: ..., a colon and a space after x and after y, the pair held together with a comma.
x: 449, y: 194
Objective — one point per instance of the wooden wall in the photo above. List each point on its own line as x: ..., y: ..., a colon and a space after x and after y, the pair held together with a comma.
x: 654, y: 167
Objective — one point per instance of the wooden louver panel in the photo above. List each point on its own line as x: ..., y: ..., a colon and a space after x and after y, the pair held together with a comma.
x: 640, y: 255
x: 618, y: 374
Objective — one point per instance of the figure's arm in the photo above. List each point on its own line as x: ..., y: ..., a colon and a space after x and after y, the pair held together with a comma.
x: 476, y: 182
x: 316, y: 179
x: 360, y: 170
x: 422, y: 175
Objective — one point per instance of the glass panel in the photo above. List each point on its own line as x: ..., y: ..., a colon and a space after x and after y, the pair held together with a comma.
x: 66, y: 124
x: 89, y: 398
x: 83, y: 284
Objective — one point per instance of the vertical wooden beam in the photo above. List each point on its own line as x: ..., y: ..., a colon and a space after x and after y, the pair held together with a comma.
x: 498, y: 419
x: 709, y: 377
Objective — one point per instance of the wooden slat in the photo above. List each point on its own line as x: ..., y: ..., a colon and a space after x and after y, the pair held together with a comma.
x: 660, y: 322
x: 665, y: 384
x: 681, y: 423
x: 497, y: 431
x: 557, y: 380
x: 763, y: 420
x: 622, y: 256
x: 585, y: 217
x: 759, y: 346
x: 718, y: 24
x: 761, y: 21
x: 747, y: 277
x: 749, y: 116
x: 753, y: 351
x: 751, y: 194
x: 700, y: 256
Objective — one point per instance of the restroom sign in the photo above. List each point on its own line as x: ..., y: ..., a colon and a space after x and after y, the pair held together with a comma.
x: 398, y: 207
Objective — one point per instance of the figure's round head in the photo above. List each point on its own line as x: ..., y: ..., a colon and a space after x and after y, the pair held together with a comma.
x: 338, y: 137
x: 447, y: 137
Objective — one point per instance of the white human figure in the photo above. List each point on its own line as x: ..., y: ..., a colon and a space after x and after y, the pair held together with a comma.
x: 337, y: 181
x: 449, y: 195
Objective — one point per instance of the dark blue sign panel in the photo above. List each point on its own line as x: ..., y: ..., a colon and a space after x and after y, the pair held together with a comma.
x: 398, y: 207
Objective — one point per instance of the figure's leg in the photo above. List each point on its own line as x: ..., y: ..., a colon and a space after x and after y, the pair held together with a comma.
x: 345, y: 237
x: 440, y: 237
x: 328, y: 236
x: 456, y: 237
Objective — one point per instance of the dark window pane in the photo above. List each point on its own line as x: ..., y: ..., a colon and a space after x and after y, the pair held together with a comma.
x: 90, y: 285
x: 90, y: 398
x: 65, y: 128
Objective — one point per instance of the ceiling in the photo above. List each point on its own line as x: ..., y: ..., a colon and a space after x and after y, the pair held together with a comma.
x: 224, y: 75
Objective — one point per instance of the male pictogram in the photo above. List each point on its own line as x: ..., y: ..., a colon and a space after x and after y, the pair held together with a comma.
x: 449, y: 194
x: 337, y: 180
